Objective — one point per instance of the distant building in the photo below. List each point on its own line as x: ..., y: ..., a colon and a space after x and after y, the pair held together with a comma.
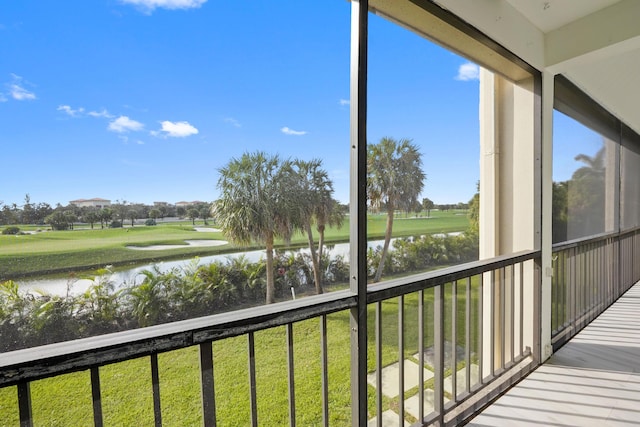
x: 91, y: 203
x: 187, y: 204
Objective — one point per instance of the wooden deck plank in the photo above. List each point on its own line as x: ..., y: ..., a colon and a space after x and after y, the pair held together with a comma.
x: 594, y: 380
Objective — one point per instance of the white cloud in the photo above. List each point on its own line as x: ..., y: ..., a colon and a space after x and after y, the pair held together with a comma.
x: 70, y: 111
x: 151, y: 5
x: 17, y: 90
x: 103, y: 113
x: 176, y: 129
x: 468, y: 71
x: 124, y: 124
x: 21, y: 94
x: 233, y: 122
x: 344, y: 102
x: 288, y: 131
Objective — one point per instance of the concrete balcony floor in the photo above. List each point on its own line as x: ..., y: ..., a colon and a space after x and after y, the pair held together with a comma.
x: 593, y: 380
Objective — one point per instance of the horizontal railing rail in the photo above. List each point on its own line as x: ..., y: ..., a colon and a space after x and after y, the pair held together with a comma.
x: 64, y: 357
x: 593, y: 238
x: 421, y: 281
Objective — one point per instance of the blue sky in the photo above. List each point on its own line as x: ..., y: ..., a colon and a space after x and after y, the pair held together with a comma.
x: 144, y: 100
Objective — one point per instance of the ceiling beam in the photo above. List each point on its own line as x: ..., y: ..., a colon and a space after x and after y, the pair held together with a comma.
x: 502, y: 22
x: 603, y: 34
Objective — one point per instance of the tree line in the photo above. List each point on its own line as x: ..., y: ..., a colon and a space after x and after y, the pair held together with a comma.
x: 66, y: 217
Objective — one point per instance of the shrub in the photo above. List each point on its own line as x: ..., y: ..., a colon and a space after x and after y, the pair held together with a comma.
x: 150, y: 222
x: 115, y: 224
x: 11, y: 230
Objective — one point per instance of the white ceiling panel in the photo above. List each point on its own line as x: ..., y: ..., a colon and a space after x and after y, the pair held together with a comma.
x: 549, y: 15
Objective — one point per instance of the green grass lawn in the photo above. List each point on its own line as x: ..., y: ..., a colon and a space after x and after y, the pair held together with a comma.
x: 63, y: 251
x: 127, y: 398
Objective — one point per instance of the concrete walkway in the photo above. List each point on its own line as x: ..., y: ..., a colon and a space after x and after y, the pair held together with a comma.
x: 391, y: 388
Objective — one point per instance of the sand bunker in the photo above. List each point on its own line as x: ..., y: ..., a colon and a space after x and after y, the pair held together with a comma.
x: 188, y: 244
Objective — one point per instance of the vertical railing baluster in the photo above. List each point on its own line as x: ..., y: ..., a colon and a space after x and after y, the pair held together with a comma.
x: 577, y: 278
x: 252, y: 379
x: 379, y: 364
x: 585, y: 284
x: 24, y: 404
x: 589, y: 282
x: 421, y: 355
x: 324, y: 367
x: 207, y: 385
x: 492, y: 335
x: 598, y: 282
x: 503, y: 315
x: 155, y: 382
x: 454, y: 340
x: 468, y: 330
x: 593, y: 283
x: 438, y: 344
x: 512, y: 317
x: 571, y: 279
x: 610, y: 270
x: 581, y: 287
x: 401, y: 359
x: 96, y: 396
x: 291, y: 376
x: 601, y: 281
x: 521, y: 310
x: 481, y: 328
x: 560, y: 276
x: 555, y: 298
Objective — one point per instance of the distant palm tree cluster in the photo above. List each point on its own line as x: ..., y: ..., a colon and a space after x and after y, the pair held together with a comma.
x: 264, y: 197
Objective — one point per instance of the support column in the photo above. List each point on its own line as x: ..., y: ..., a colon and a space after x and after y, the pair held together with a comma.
x: 547, y: 201
x: 509, y: 208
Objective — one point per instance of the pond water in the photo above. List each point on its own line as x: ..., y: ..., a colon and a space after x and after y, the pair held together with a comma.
x: 58, y: 286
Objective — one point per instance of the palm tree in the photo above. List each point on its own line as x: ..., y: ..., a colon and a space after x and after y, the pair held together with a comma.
x: 586, y: 195
x: 256, y: 204
x: 315, y: 205
x: 394, y: 181
x: 327, y: 213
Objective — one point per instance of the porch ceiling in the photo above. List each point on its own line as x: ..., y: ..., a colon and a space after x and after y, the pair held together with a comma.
x: 594, y: 43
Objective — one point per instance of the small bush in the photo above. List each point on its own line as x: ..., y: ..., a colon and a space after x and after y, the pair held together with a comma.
x: 150, y: 221
x: 11, y: 230
x: 115, y: 224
